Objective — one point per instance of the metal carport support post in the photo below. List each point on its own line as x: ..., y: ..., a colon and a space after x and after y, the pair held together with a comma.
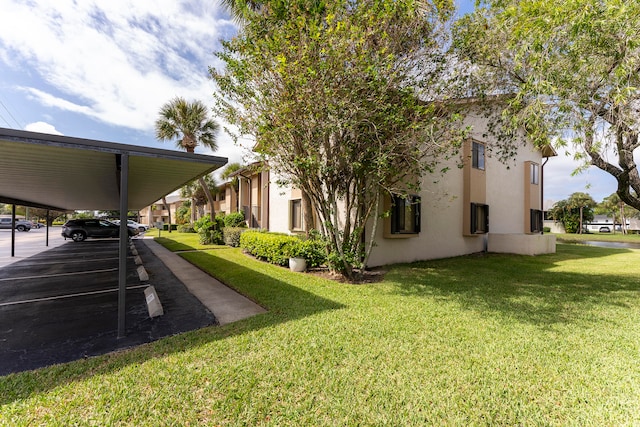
x: 124, y: 237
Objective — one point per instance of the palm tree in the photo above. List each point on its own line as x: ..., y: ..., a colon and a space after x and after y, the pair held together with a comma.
x: 235, y: 182
x: 239, y: 9
x: 189, y: 192
x: 188, y: 123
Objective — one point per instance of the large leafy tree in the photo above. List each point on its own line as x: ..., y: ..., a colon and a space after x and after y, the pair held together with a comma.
x: 574, y: 212
x: 188, y: 123
x: 572, y: 68
x: 334, y: 94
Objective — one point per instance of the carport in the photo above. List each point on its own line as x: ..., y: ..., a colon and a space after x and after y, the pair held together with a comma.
x: 65, y: 173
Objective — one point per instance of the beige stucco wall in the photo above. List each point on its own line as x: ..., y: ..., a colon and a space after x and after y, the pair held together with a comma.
x: 441, y: 225
x: 442, y: 221
x: 505, y: 192
x: 278, y: 206
x: 442, y: 211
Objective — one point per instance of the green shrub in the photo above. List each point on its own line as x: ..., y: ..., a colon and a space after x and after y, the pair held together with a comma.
x: 165, y: 227
x: 211, y: 237
x: 186, y: 228
x: 209, y: 231
x: 235, y: 219
x: 232, y: 235
x: 270, y: 247
x: 314, y: 251
x: 219, y: 220
x: 204, y: 224
x: 546, y: 229
x: 277, y: 248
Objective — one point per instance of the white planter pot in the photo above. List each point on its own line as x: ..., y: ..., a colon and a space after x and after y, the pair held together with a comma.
x: 297, y: 264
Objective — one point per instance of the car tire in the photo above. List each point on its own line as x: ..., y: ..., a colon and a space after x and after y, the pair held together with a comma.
x: 21, y: 228
x: 78, y: 236
x: 141, y: 229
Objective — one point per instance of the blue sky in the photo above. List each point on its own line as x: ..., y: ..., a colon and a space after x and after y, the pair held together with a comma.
x: 102, y: 70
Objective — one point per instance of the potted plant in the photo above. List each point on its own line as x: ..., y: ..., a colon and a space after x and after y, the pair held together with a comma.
x: 297, y: 262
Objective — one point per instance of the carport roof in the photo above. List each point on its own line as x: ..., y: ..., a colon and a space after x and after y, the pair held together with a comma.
x: 65, y: 173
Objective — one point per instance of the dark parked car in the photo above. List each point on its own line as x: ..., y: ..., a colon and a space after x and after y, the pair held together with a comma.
x: 80, y: 229
x: 21, y: 225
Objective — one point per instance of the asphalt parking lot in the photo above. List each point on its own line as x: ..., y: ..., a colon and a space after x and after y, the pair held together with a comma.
x: 27, y: 243
x: 60, y: 303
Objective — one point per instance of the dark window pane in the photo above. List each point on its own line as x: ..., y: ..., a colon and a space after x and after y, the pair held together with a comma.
x: 477, y: 153
x: 405, y: 214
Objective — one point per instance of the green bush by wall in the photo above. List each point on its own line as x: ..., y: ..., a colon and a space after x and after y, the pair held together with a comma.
x: 231, y: 235
x: 277, y: 248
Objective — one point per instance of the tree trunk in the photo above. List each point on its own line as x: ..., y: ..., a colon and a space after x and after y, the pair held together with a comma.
x: 164, y: 202
x: 580, y: 232
x: 309, y: 223
x: 209, y: 197
x: 623, y: 219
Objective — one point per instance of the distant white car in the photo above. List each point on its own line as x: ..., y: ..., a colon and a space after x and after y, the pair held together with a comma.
x: 132, y: 223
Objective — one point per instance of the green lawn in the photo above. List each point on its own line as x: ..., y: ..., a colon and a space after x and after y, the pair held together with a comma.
x: 477, y: 340
x: 600, y: 237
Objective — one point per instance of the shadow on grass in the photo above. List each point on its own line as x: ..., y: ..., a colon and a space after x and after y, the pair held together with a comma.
x: 523, y: 288
x: 284, y: 302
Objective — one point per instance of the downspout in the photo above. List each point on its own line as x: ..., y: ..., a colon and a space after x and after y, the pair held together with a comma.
x: 546, y: 159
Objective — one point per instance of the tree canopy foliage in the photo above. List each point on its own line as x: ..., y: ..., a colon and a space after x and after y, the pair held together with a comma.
x: 334, y: 94
x: 572, y: 69
x: 574, y: 212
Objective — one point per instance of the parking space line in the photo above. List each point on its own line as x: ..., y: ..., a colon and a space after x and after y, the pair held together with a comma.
x: 39, y: 262
x: 106, y: 270
x: 104, y: 291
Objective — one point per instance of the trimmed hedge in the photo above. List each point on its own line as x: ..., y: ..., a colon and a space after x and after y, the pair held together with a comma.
x: 234, y: 220
x: 186, y: 228
x: 277, y: 248
x: 231, y: 235
x: 270, y: 247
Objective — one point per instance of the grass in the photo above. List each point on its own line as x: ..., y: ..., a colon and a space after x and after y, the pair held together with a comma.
x: 599, y: 237
x: 476, y: 340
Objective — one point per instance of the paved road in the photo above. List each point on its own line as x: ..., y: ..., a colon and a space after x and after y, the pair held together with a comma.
x: 27, y: 243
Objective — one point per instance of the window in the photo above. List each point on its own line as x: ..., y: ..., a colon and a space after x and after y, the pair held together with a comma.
x: 477, y: 155
x: 405, y: 214
x: 536, y: 220
x: 479, y: 218
x: 295, y: 214
x: 221, y: 196
x: 535, y: 173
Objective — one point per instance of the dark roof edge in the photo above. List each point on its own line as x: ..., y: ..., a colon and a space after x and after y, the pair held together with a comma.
x: 19, y: 202
x: 96, y: 145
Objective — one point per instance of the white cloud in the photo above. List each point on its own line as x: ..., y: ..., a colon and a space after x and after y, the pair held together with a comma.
x: 563, y: 176
x: 116, y: 61
x: 42, y: 127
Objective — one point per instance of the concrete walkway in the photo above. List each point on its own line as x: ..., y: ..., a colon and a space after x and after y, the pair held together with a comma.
x: 226, y: 304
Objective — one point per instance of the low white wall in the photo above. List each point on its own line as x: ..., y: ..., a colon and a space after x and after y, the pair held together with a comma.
x: 555, y: 227
x: 522, y: 244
